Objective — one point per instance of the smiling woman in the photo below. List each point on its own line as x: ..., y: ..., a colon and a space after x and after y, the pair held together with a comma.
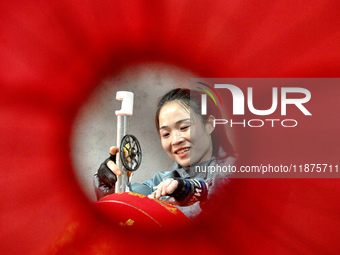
x: 187, y: 139
x: 183, y: 137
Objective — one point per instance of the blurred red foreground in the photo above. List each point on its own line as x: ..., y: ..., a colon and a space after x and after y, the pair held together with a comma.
x: 52, y: 55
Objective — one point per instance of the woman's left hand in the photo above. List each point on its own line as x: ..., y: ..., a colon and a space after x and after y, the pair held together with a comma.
x: 166, y: 187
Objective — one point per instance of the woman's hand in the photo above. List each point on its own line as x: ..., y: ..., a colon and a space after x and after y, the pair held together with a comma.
x: 108, y: 171
x: 112, y: 165
x: 164, y: 188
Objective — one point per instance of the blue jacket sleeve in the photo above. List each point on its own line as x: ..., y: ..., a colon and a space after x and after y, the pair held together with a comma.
x: 147, y: 187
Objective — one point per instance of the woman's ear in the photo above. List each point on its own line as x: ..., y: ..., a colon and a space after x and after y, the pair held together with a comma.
x: 210, y: 125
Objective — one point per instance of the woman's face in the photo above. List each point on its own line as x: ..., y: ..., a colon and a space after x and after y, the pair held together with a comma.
x: 186, y: 140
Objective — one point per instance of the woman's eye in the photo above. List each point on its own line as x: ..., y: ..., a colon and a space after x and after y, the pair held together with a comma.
x: 165, y: 135
x: 184, y: 128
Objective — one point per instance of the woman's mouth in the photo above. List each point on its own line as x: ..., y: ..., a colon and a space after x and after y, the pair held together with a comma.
x: 182, y: 152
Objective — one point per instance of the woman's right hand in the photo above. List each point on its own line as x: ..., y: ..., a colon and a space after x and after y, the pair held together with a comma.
x: 112, y: 165
x: 108, y: 170
x: 105, y: 179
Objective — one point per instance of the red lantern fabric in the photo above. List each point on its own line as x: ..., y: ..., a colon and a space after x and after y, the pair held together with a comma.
x: 137, y: 211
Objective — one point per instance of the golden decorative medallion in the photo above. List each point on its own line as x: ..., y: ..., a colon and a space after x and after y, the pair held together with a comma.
x: 129, y: 223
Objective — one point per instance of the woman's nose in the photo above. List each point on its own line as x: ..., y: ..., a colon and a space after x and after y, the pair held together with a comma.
x: 177, y: 138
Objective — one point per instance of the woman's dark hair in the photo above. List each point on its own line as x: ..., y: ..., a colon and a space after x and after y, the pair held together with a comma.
x: 191, y: 99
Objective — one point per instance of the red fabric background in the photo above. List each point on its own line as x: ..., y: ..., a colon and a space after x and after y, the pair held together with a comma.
x: 52, y: 55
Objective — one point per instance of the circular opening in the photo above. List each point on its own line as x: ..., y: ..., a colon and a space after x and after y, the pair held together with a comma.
x: 95, y: 127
